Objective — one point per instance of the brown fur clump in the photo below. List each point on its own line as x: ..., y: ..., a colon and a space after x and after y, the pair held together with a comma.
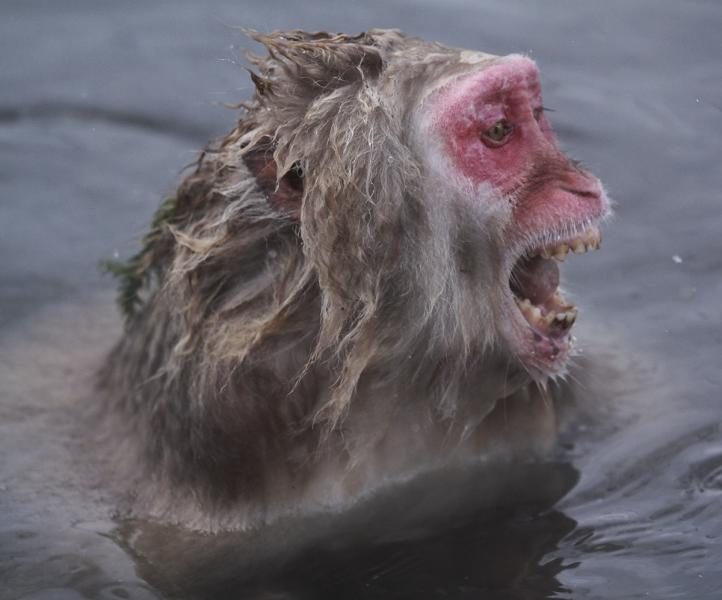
x: 311, y: 298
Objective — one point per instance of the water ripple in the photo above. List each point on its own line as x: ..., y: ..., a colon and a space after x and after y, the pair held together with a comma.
x: 125, y: 118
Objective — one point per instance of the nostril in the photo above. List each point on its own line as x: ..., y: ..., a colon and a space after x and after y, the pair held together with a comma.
x: 593, y: 194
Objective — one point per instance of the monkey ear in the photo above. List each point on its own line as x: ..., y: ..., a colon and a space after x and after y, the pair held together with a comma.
x: 284, y: 194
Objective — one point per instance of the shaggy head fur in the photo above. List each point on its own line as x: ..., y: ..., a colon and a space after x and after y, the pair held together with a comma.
x: 325, y: 311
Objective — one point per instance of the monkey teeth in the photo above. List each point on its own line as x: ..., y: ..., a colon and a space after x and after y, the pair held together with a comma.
x: 534, y: 283
x: 558, y: 317
x: 589, y: 240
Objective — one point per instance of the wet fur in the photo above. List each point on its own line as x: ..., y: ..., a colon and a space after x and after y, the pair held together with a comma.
x: 309, y: 341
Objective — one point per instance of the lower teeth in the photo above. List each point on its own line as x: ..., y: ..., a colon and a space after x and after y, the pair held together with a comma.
x: 534, y: 314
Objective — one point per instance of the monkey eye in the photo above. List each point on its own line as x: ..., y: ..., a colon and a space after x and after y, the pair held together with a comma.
x: 499, y: 131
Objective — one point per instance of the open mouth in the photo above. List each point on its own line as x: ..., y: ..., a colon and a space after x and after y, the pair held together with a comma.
x: 534, y: 282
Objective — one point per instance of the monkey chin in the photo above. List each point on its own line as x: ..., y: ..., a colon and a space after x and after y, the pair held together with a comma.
x: 539, y: 327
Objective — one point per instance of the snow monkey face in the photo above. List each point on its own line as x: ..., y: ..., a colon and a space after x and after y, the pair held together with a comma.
x: 487, y: 138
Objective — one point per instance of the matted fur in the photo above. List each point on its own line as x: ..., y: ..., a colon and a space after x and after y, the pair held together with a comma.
x: 280, y: 347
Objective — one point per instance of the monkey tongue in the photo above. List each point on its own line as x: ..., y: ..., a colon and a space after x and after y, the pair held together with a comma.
x: 535, y: 278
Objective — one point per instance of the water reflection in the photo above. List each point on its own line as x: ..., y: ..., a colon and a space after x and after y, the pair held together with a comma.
x: 442, y: 535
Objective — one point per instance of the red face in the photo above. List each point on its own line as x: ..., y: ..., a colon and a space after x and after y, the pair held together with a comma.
x: 498, y: 142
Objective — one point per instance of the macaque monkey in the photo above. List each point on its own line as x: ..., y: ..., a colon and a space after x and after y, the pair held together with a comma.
x: 350, y: 286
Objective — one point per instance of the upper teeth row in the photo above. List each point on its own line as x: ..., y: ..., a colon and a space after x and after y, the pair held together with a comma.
x: 589, y: 240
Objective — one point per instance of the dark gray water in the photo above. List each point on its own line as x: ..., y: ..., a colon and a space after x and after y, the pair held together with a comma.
x: 101, y: 103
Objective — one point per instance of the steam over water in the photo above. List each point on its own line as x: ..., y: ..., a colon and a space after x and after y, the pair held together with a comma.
x: 102, y: 103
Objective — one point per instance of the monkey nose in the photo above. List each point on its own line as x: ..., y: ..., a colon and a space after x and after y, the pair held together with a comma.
x: 592, y: 194
x: 584, y: 185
